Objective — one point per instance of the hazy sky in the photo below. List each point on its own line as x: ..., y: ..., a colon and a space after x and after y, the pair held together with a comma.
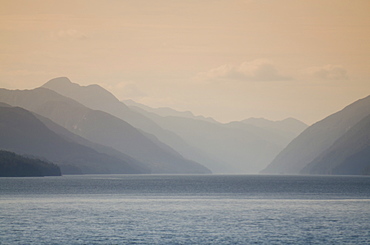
x: 228, y: 59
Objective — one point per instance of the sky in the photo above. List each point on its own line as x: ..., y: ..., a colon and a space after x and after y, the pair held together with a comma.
x: 227, y: 59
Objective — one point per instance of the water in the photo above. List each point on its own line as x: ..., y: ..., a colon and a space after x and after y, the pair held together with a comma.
x: 185, y: 209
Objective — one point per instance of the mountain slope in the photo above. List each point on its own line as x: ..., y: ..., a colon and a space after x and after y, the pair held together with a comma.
x: 132, y: 163
x: 14, y: 165
x: 220, y: 148
x: 349, y: 155
x: 23, y: 133
x: 97, y: 98
x: 257, y: 145
x: 167, y: 112
x: 101, y: 128
x: 270, y: 134
x: 240, y: 147
x: 317, y: 138
x: 289, y: 127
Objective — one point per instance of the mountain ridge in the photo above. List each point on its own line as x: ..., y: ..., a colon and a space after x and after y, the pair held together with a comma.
x: 23, y: 133
x: 317, y: 138
x: 15, y: 165
x: 349, y: 155
x: 167, y: 111
x: 118, y: 109
x: 93, y: 125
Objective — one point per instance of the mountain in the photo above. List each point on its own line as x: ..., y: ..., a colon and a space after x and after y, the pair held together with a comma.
x: 97, y: 98
x: 258, y: 144
x: 289, y: 127
x: 275, y: 132
x: 196, y: 138
x: 166, y: 111
x: 138, y: 166
x: 349, y: 155
x: 92, y: 96
x: 14, y: 165
x: 238, y: 147
x: 318, y: 138
x: 102, y: 128
x: 4, y: 105
x: 23, y: 133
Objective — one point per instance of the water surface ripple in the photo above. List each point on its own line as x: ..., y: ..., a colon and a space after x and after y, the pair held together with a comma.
x: 185, y: 209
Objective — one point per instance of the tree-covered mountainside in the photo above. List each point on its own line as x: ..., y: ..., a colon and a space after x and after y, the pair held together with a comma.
x: 14, y: 165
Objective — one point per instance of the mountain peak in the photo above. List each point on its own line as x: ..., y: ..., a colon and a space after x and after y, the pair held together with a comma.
x: 93, y: 96
x: 59, y: 82
x: 290, y: 119
x: 64, y: 83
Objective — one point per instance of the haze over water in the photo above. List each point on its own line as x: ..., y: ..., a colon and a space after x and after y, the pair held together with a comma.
x: 185, y: 209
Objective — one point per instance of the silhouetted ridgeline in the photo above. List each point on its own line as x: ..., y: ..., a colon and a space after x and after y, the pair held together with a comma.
x: 338, y: 144
x: 223, y: 148
x: 86, y: 130
x: 13, y: 165
x: 95, y: 126
x: 24, y: 133
x: 349, y: 155
x: 97, y: 98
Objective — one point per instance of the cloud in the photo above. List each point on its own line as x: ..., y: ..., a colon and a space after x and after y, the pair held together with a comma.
x: 328, y: 72
x: 69, y: 34
x: 257, y: 70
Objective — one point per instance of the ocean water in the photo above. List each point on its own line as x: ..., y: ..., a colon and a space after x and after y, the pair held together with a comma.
x: 185, y: 209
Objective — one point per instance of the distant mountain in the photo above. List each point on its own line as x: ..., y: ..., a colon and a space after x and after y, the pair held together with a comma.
x: 258, y: 144
x: 289, y: 126
x: 317, y: 139
x: 23, y: 133
x: 238, y: 147
x: 196, y: 138
x: 102, y: 128
x: 276, y: 132
x: 4, y: 105
x: 167, y: 112
x: 349, y: 155
x: 93, y: 96
x: 97, y: 98
x: 14, y: 165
